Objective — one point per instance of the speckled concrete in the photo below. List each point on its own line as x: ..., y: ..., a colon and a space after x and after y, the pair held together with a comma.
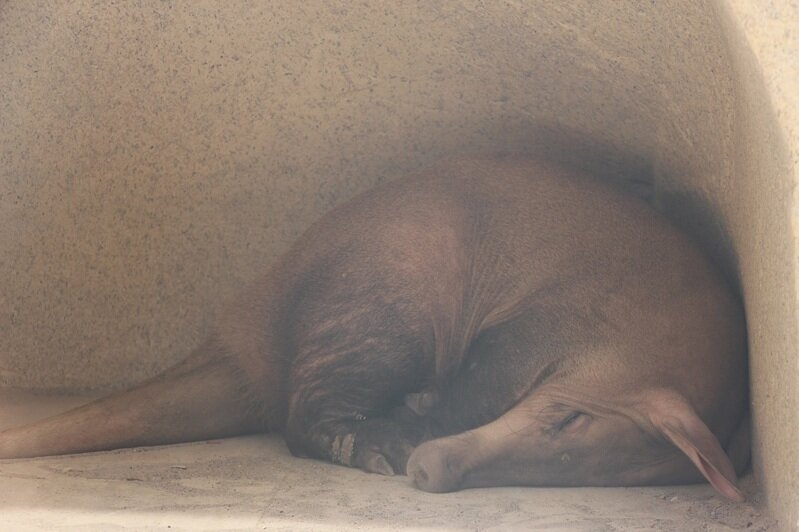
x: 253, y: 483
x: 155, y: 156
x: 763, y: 43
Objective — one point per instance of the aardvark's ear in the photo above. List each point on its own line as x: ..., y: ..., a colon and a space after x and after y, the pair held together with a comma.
x: 676, y: 419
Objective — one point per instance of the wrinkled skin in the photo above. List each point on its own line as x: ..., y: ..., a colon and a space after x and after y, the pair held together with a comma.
x: 489, y: 321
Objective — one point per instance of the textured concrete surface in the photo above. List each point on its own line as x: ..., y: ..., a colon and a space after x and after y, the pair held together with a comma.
x: 763, y: 44
x: 252, y: 483
x: 155, y: 156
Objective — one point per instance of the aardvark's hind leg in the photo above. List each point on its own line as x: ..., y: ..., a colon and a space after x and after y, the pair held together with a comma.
x: 348, y: 376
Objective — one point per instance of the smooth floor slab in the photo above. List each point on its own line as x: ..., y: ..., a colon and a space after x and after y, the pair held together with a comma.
x: 253, y: 483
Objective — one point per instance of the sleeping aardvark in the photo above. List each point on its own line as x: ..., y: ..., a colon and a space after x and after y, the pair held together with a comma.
x: 487, y: 321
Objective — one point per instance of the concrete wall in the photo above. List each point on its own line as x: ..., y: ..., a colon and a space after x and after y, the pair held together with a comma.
x: 763, y: 45
x: 155, y: 156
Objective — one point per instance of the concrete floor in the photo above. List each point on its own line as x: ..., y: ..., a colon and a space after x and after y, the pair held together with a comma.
x: 253, y: 483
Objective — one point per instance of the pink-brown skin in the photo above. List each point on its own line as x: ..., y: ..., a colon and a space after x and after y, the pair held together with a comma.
x: 489, y: 321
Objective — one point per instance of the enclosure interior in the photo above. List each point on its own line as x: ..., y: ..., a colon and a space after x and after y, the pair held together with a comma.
x: 155, y: 158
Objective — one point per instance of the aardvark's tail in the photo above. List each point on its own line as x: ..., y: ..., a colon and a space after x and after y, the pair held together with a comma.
x: 206, y: 396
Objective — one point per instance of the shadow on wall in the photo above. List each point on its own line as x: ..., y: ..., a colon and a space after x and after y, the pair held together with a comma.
x: 627, y: 168
x: 700, y: 220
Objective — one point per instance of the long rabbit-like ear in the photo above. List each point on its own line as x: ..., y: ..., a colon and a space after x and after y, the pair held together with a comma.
x: 676, y: 419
